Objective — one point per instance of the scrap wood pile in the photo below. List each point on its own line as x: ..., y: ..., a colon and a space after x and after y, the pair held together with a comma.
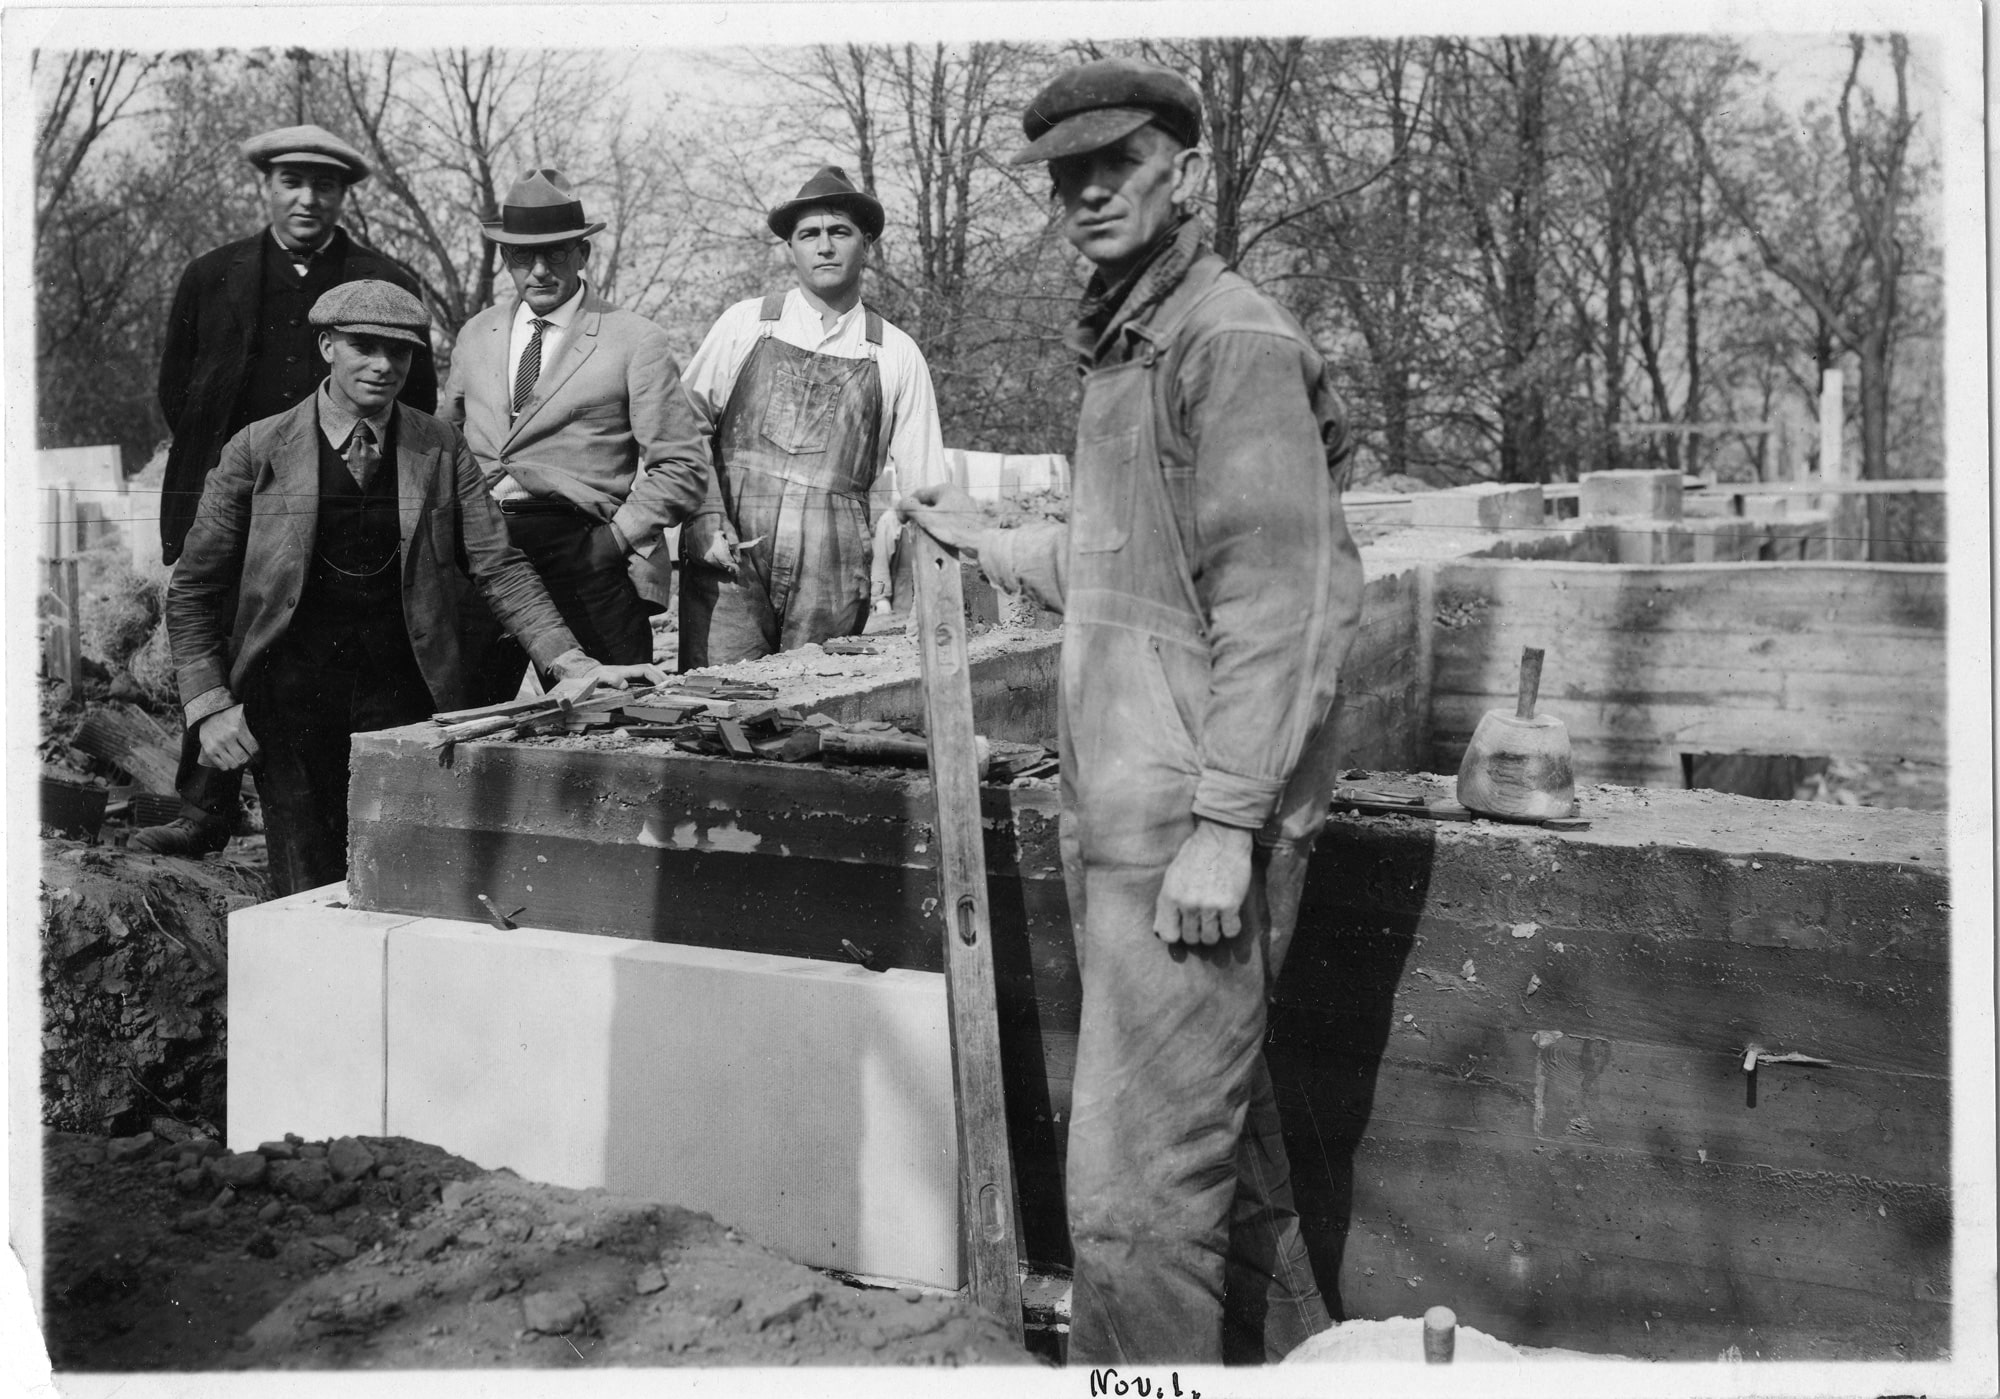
x: 719, y: 717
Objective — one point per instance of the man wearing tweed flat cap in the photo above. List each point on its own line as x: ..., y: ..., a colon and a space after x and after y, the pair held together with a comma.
x: 238, y: 349
x: 812, y: 403
x: 1210, y: 592
x: 317, y: 596
x: 574, y: 411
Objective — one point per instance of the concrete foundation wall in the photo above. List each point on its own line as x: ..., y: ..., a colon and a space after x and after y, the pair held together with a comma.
x: 1644, y: 665
x: 1509, y: 1060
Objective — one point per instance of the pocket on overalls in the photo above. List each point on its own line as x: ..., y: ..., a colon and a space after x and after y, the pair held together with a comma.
x: 1100, y: 517
x: 798, y: 416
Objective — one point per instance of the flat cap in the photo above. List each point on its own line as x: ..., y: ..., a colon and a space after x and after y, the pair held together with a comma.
x: 305, y: 145
x: 373, y: 308
x: 1094, y: 104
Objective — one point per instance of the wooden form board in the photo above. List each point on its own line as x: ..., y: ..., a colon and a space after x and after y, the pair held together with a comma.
x: 988, y: 1213
x: 1645, y: 664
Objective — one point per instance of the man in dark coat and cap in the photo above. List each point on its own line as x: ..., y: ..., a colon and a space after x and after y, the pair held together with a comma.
x: 239, y: 349
x: 812, y: 404
x: 1210, y: 591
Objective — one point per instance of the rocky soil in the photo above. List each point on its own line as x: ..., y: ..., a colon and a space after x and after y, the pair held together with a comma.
x: 383, y: 1253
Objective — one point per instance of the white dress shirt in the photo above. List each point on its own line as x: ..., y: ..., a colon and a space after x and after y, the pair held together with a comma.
x: 554, y: 339
x: 915, y: 446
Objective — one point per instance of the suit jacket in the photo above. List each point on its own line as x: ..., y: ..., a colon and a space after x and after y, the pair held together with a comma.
x: 607, y: 428
x: 211, y: 332
x: 240, y: 577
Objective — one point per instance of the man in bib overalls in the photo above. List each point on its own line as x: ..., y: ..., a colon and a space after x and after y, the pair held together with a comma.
x: 1210, y: 591
x: 805, y: 397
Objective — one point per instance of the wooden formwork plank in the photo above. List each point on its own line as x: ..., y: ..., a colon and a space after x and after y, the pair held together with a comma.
x: 988, y: 1211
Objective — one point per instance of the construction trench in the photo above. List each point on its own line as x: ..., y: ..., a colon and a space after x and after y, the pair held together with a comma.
x: 1670, y: 1084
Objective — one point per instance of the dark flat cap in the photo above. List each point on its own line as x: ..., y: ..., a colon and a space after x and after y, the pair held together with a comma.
x: 305, y: 145
x: 541, y: 208
x: 828, y: 188
x: 373, y: 308
x: 1094, y: 104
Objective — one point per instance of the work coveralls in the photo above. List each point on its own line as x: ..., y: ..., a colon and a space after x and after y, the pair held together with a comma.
x: 796, y: 450
x: 1210, y: 592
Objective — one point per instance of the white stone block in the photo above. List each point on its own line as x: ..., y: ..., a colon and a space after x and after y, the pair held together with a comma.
x: 306, y: 1046
x: 1655, y: 495
x: 808, y: 1103
x: 1484, y: 505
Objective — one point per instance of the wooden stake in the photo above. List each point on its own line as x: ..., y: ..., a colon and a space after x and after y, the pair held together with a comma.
x: 988, y: 1220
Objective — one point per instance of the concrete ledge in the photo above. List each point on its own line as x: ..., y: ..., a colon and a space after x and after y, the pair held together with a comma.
x: 808, y: 1103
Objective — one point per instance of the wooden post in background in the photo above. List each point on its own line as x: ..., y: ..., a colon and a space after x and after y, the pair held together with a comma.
x: 62, y: 652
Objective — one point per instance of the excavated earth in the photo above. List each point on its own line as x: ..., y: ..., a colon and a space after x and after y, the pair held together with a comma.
x: 384, y: 1253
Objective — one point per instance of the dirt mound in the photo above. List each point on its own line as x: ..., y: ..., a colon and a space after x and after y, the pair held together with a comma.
x: 134, y: 974
x: 383, y: 1253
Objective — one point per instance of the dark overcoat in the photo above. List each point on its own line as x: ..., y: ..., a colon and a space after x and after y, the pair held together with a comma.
x: 211, y: 332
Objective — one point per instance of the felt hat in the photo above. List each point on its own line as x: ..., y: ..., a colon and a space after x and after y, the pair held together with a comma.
x: 372, y: 308
x: 1092, y: 105
x: 828, y: 188
x: 305, y: 145
x: 540, y: 208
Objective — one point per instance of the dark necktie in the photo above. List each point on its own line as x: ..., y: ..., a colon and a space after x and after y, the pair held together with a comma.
x: 362, y: 456
x: 531, y: 365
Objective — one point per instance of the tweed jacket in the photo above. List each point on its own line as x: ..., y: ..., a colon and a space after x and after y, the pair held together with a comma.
x: 608, y: 427
x: 240, y: 577
x: 205, y: 362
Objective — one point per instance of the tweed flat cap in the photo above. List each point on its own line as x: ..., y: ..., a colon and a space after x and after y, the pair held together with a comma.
x: 373, y: 308
x: 1094, y: 104
x: 305, y: 145
x: 828, y: 188
x: 541, y: 208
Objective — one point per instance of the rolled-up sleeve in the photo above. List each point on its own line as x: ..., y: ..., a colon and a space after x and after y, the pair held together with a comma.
x: 1265, y: 546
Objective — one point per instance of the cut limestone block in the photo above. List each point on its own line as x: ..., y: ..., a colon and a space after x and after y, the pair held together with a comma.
x: 1486, y: 505
x: 1653, y: 494
x: 808, y: 1103
x: 305, y: 1018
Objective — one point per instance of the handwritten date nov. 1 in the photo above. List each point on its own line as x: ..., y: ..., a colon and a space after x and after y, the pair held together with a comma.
x: 1109, y: 1382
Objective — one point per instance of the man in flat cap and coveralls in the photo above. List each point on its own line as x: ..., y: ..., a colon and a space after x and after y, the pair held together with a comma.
x: 238, y: 349
x: 575, y: 413
x: 806, y: 396
x: 1210, y: 592
x: 318, y: 594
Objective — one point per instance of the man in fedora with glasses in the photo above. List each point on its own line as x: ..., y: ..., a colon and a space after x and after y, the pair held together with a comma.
x: 574, y: 411
x: 807, y: 396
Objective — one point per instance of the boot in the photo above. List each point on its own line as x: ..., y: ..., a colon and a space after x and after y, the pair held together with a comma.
x: 193, y: 836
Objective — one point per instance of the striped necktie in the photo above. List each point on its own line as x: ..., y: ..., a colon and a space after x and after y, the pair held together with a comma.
x: 530, y: 368
x: 362, y: 456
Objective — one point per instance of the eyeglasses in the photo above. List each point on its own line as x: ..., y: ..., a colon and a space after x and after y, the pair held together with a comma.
x: 554, y: 254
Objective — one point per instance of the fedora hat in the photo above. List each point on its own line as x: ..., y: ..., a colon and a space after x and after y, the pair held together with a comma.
x: 829, y: 188
x: 540, y: 208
